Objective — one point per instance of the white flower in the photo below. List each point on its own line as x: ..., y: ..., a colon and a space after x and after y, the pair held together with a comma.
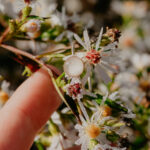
x: 66, y: 136
x: 102, y: 110
x: 129, y: 82
x: 5, y: 86
x: 100, y: 59
x: 56, y: 142
x: 105, y: 111
x: 90, y: 129
x: 45, y: 8
x: 75, y: 89
x: 62, y: 140
x: 140, y: 61
x: 73, y: 68
x: 65, y: 20
x: 130, y: 39
x: 5, y: 92
x: 129, y: 79
x: 19, y: 5
x: 55, y: 21
x: 73, y: 5
x: 2, y: 7
x: 130, y: 114
x: 132, y: 8
x: 13, y: 7
x: 56, y: 118
x: 33, y: 25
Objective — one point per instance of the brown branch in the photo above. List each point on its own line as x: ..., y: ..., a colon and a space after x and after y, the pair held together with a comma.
x: 20, y: 52
x: 4, y: 34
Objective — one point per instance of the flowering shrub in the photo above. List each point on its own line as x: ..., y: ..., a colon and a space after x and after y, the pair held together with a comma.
x: 100, y: 105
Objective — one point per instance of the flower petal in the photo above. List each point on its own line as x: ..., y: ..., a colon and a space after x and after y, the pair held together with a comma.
x: 102, y: 74
x: 109, y: 67
x: 79, y: 41
x: 87, y: 40
x: 87, y: 75
x: 99, y: 39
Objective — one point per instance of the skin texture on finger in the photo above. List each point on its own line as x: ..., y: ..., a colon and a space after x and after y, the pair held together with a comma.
x: 27, y: 111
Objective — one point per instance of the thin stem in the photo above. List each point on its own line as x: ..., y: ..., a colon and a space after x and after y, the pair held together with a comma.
x: 54, y: 51
x: 51, y: 52
x: 89, y: 84
x: 72, y: 48
x: 79, y: 109
x: 82, y: 108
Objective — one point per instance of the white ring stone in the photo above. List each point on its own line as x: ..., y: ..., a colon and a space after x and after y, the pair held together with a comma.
x: 73, y: 66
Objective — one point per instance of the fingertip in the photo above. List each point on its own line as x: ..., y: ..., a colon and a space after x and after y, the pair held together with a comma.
x: 28, y: 110
x: 38, y: 97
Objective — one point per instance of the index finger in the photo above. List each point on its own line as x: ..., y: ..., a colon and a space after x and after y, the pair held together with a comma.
x: 26, y: 111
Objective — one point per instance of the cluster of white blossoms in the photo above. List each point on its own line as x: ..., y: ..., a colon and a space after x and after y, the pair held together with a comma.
x: 93, y: 57
x: 92, y: 130
x: 78, y: 68
x: 88, y: 117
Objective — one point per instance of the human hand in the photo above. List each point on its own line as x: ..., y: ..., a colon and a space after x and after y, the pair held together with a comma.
x: 27, y: 111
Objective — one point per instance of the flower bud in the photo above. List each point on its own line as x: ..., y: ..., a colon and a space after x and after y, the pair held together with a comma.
x: 26, y: 12
x: 33, y: 25
x: 73, y: 66
x: 12, y: 25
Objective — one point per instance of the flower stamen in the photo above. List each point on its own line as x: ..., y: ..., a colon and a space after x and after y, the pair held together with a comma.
x: 93, y: 131
x: 93, y: 56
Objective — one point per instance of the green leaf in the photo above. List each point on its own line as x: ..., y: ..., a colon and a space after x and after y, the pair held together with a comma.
x: 110, y: 103
x: 54, y: 56
x: 12, y: 26
x: 116, y: 106
x: 59, y: 80
x: 27, y: 72
x: 36, y: 17
x: 112, y: 136
x: 53, y: 128
x: 39, y: 146
x: 26, y: 12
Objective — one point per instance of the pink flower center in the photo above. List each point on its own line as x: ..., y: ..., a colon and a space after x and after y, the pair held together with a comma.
x: 93, y: 56
x: 74, y: 89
